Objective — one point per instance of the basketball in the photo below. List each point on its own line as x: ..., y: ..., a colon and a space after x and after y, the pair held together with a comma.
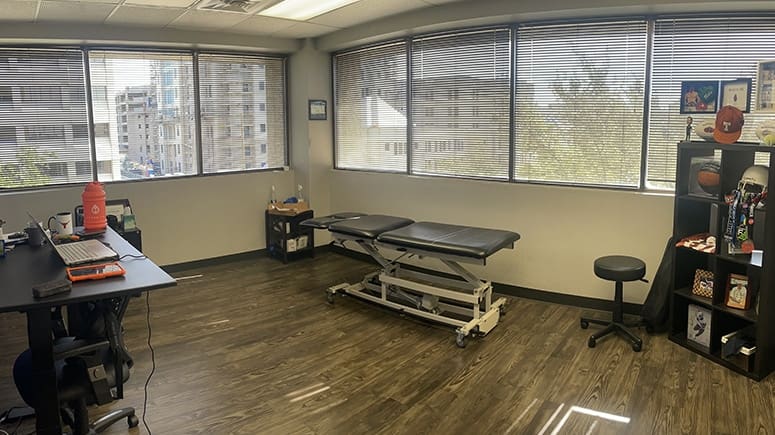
x: 708, y: 177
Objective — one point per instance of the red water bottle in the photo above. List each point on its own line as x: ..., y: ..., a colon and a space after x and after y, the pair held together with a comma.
x: 93, y: 200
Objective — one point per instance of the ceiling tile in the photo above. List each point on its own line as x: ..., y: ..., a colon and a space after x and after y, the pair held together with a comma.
x: 17, y: 10
x: 195, y: 19
x: 143, y: 16
x: 304, y: 30
x: 366, y: 10
x: 260, y: 25
x: 74, y: 11
x: 441, y: 2
x: 165, y: 3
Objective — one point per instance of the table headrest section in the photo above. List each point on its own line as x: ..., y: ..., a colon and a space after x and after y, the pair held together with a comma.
x: 323, y: 222
x: 450, y: 239
x: 370, y: 226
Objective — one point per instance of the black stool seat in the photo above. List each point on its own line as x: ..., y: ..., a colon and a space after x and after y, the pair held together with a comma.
x: 620, y: 268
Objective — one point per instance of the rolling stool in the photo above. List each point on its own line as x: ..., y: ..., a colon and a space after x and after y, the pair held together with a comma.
x: 618, y: 268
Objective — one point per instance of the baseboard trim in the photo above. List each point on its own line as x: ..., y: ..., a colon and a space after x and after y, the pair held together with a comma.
x: 517, y: 291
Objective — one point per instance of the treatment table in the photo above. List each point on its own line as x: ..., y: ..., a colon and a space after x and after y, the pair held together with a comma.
x: 463, y: 301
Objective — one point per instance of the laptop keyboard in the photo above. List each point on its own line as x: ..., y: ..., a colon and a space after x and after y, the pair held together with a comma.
x: 75, y: 252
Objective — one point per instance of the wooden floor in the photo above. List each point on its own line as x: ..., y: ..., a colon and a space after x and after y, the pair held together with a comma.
x: 251, y: 348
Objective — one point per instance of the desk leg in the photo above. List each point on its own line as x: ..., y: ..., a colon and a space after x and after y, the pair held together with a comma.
x: 41, y: 345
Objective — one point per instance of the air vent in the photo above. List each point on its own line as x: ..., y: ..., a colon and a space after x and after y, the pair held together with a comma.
x: 239, y: 6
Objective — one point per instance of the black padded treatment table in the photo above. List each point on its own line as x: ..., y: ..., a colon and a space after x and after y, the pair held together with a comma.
x: 464, y: 301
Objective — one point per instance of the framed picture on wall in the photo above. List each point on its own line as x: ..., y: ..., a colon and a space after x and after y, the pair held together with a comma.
x: 765, y: 81
x: 737, y: 93
x: 317, y: 110
x: 699, y: 96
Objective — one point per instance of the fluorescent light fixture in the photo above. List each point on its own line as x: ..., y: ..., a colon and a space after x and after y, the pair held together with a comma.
x: 302, y: 10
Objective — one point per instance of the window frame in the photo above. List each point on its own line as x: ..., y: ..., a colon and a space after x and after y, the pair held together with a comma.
x: 86, y: 49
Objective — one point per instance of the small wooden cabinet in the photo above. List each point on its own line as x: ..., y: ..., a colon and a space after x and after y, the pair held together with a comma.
x: 286, y: 239
x: 697, y: 211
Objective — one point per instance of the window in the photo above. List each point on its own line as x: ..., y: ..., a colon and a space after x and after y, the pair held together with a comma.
x: 678, y: 43
x: 158, y: 89
x: 83, y: 168
x: 455, y: 66
x: 45, y: 82
x: 365, y: 122
x: 80, y: 131
x: 579, y: 99
x: 223, y: 150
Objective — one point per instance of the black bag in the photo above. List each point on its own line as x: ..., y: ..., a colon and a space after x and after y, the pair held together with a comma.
x: 656, y: 308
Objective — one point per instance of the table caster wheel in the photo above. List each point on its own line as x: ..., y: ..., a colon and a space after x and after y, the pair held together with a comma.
x: 585, y: 325
x: 132, y: 421
x: 330, y: 298
x: 637, y: 347
x: 461, y: 341
x: 502, y: 311
x: 591, y: 342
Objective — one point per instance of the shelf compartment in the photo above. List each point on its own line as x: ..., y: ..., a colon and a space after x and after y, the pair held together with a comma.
x: 686, y: 293
x: 681, y: 340
x: 748, y: 315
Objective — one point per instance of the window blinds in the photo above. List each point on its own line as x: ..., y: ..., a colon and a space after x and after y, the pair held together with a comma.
x: 460, y: 104
x: 579, y: 103
x: 242, y: 106
x: 370, y: 92
x: 695, y: 49
x: 43, y: 118
x: 144, y: 117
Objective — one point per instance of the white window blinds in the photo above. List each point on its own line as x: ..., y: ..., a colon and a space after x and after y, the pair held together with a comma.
x: 579, y: 103
x: 371, y: 109
x: 696, y: 49
x: 242, y: 107
x: 43, y: 121
x: 144, y: 117
x: 460, y: 104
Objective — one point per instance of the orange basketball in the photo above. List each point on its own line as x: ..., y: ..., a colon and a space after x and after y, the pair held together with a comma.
x: 709, y: 178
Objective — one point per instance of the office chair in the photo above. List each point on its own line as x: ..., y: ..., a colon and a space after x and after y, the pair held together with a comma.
x: 92, y: 364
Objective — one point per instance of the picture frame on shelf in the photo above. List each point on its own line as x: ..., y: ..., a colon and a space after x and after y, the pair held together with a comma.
x: 698, y: 325
x: 703, y: 283
x: 765, y: 86
x: 738, y: 294
x: 699, y: 96
x: 736, y: 93
x: 704, y: 177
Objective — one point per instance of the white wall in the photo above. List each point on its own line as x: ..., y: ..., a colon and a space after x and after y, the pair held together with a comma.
x: 563, y: 229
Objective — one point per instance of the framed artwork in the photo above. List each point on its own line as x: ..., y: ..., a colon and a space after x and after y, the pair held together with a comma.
x: 765, y: 81
x: 698, y: 325
x: 737, y: 93
x: 699, y: 96
x: 317, y: 110
x: 703, y: 283
x: 738, y: 294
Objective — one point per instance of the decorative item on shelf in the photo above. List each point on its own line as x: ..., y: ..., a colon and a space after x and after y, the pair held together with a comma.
x: 729, y: 125
x: 737, y: 93
x: 705, y: 177
x: 765, y: 131
x: 751, y: 193
x: 738, y: 294
x: 704, y: 242
x: 688, y: 135
x: 765, y: 85
x: 703, y: 283
x: 698, y: 325
x: 704, y: 129
x: 699, y: 96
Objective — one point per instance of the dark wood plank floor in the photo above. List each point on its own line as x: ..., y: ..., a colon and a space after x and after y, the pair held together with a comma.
x: 251, y: 347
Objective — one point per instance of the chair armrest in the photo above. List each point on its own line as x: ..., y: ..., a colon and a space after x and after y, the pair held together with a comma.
x: 78, y: 347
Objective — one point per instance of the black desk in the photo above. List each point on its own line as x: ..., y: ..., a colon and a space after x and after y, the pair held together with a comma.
x: 26, y: 266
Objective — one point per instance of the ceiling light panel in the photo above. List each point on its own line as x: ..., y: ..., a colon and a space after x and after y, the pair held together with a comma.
x: 164, y: 3
x: 302, y: 10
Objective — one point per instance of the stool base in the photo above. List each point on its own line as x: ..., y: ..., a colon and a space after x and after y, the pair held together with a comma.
x: 619, y: 328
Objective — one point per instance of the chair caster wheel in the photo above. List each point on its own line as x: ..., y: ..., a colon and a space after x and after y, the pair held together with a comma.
x: 461, y: 341
x: 132, y: 421
x: 637, y: 347
x: 585, y: 325
x: 591, y: 342
x: 649, y: 329
x: 330, y: 298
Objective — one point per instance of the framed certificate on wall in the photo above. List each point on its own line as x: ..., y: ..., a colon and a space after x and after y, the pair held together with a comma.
x: 737, y: 93
x: 765, y: 81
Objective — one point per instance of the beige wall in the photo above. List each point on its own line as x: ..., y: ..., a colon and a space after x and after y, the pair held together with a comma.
x: 563, y: 229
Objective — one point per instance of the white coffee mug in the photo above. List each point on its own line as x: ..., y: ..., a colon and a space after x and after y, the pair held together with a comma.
x: 63, y: 223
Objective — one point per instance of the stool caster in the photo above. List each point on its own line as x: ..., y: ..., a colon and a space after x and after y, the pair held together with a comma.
x: 330, y: 298
x: 584, y: 325
x: 591, y: 342
x: 637, y: 347
x: 460, y: 340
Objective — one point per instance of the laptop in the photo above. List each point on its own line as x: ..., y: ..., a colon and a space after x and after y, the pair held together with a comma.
x: 75, y: 253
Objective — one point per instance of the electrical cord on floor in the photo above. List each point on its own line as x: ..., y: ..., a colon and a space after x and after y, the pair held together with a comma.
x: 153, y: 358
